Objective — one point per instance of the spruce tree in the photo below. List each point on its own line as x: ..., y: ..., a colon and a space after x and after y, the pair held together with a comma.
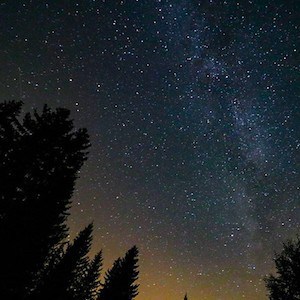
x: 40, y: 156
x: 120, y: 279
x: 87, y: 282
x: 111, y: 284
x: 61, y: 280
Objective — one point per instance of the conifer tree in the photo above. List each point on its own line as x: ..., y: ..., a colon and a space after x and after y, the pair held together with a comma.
x: 88, y: 282
x: 61, y: 280
x: 40, y: 156
x: 286, y: 284
x: 185, y: 297
x: 120, y: 279
x: 111, y: 282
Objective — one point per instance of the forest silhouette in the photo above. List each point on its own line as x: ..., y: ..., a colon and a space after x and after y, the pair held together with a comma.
x: 40, y: 158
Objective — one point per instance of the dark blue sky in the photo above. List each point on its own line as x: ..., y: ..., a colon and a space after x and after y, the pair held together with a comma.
x: 193, y: 112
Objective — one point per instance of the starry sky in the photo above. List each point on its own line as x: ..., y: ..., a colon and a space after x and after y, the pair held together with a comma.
x: 194, y: 116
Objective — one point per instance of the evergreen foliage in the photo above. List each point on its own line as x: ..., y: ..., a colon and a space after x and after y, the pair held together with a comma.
x: 286, y: 284
x: 120, y: 279
x: 87, y: 284
x: 40, y: 156
x: 61, y: 280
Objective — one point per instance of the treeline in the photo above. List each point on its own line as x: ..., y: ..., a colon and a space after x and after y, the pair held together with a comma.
x: 40, y: 158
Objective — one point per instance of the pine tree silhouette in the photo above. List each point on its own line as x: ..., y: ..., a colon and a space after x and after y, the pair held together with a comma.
x: 120, y: 279
x: 286, y: 285
x: 40, y: 156
x: 61, y: 280
x: 112, y: 282
x: 87, y: 283
x: 185, y: 297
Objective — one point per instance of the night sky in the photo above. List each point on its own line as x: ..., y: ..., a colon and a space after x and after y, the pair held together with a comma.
x: 194, y: 115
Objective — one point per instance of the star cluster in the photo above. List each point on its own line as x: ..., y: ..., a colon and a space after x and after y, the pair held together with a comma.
x: 193, y: 112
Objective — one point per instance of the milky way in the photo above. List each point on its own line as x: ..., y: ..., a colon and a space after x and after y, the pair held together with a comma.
x: 193, y: 112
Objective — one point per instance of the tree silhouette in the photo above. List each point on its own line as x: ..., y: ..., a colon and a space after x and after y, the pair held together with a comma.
x: 87, y: 283
x: 185, y: 297
x: 112, y: 281
x: 286, y: 284
x: 61, y: 280
x: 120, y: 279
x: 40, y: 156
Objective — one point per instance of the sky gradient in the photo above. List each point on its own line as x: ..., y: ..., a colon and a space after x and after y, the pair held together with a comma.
x: 194, y: 117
